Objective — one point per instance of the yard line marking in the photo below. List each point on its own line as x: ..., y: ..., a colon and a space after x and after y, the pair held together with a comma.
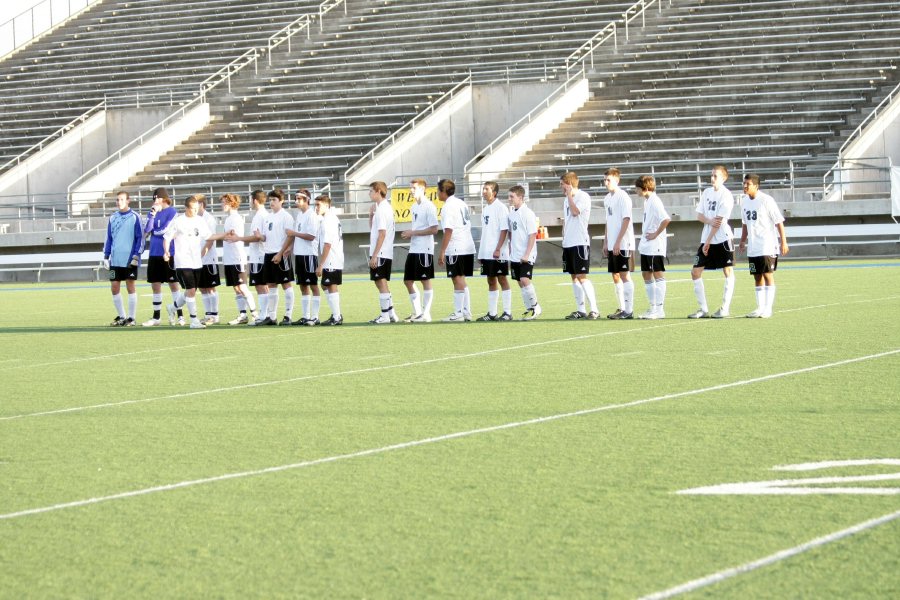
x: 215, y: 358
x: 635, y: 353
x: 812, y: 351
x: 247, y: 386
x: 788, y: 310
x: 435, y: 439
x: 721, y: 352
x: 701, y: 582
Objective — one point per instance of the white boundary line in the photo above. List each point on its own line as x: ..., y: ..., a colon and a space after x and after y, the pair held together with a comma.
x: 433, y: 440
x: 696, y: 584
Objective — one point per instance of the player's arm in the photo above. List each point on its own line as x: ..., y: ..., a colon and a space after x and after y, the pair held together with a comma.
x: 659, y: 230
x: 137, y: 247
x: 744, y: 233
x: 326, y: 250
x: 503, y: 234
x: 445, y: 241
x: 784, y: 244
x: 532, y: 240
x: 379, y: 242
x: 622, y: 230
x: 573, y: 206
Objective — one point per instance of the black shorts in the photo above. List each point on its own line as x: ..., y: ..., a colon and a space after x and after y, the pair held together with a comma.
x: 233, y: 275
x: 460, y: 265
x: 382, y: 271
x: 619, y: 263
x: 653, y: 263
x: 577, y: 260
x: 520, y: 270
x: 418, y: 267
x: 305, y: 266
x: 209, y: 277
x: 762, y: 264
x: 277, y: 273
x: 188, y: 278
x: 257, y: 275
x: 160, y: 271
x: 122, y: 273
x: 494, y: 268
x: 332, y: 277
x: 719, y: 257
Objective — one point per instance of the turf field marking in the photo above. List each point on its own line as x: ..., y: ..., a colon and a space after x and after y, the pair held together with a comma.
x: 801, y: 487
x: 721, y: 352
x: 829, y: 464
x: 701, y: 582
x: 635, y: 353
x: 812, y: 351
x: 437, y: 439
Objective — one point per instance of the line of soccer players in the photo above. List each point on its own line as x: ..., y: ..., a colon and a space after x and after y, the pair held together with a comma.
x: 182, y: 252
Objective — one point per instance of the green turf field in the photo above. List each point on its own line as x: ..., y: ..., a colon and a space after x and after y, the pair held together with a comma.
x: 484, y: 460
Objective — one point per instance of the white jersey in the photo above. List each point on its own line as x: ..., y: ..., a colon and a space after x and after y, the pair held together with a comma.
x: 618, y: 208
x: 760, y: 215
x: 211, y: 257
x: 455, y: 216
x: 424, y: 216
x: 575, y: 227
x: 716, y: 204
x: 330, y: 233
x: 494, y: 221
x: 256, y: 248
x: 382, y: 220
x: 308, y: 223
x: 654, y: 214
x: 522, y: 225
x: 276, y: 226
x: 234, y: 253
x: 190, y: 235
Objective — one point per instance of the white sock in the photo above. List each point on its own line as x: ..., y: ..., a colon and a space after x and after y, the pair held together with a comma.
x: 214, y: 297
x: 241, y: 303
x: 493, y: 297
x: 416, y: 306
x: 273, y: 304
x: 761, y: 298
x: 428, y: 298
x: 179, y: 299
x: 459, y: 301
x: 120, y: 307
x: 660, y: 293
x: 700, y: 294
x: 289, y: 302
x: 157, y: 303
x: 507, y: 301
x: 207, y: 303
x: 467, y: 305
x: 770, y: 299
x: 728, y: 292
x: 248, y: 297
x: 530, y: 296
x: 192, y: 307
x: 304, y: 305
x: 386, y: 302
x: 589, y: 293
x: 650, y: 288
x: 334, y: 302
x: 314, y: 310
x: 579, y: 296
x: 263, y: 304
x: 132, y: 305
x: 629, y: 296
x: 619, y: 289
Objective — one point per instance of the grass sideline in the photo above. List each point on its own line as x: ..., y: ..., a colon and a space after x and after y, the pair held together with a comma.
x: 420, y: 462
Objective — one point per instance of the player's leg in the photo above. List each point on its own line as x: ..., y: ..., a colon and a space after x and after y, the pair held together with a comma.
x: 132, y: 301
x: 505, y: 294
x: 115, y: 287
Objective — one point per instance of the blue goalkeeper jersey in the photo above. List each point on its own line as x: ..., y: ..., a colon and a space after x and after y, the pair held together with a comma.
x: 124, y: 238
x: 156, y: 227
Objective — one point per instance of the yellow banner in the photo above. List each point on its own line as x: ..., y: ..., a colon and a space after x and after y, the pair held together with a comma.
x: 402, y: 203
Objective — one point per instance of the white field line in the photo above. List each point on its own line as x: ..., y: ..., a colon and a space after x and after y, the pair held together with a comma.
x: 696, y: 584
x: 636, y: 282
x: 623, y: 354
x: 436, y: 439
x: 812, y: 351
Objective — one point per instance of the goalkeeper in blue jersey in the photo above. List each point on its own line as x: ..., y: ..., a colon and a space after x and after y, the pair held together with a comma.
x: 122, y: 255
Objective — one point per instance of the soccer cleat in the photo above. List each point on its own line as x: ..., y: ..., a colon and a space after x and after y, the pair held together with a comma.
x: 268, y: 321
x: 467, y: 316
x: 300, y: 321
x: 170, y: 309
x: 332, y: 321
x: 488, y: 317
x: 151, y: 323
x: 285, y: 321
x: 721, y: 314
x: 505, y: 317
x: 241, y: 319
x: 196, y: 324
x: 660, y: 314
x: 575, y: 315
x: 422, y: 318
x: 455, y: 318
x: 756, y: 314
x: 650, y: 313
x: 616, y: 314
x: 593, y: 315
x: 767, y: 315
x: 624, y: 316
x: 181, y: 321
x: 129, y: 322
x: 532, y: 313
x: 700, y: 314
x: 210, y: 320
x: 411, y: 318
x: 311, y: 322
x: 381, y: 319
x: 117, y: 322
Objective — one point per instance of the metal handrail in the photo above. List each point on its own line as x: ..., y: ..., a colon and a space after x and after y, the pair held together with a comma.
x: 587, y: 48
x: 56, y: 134
x: 640, y: 10
x: 326, y: 7
x: 411, y: 124
x: 226, y: 72
x: 871, y: 116
x: 34, y: 33
x: 286, y: 33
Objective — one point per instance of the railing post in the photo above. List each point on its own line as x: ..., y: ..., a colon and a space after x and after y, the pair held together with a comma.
x: 791, y: 171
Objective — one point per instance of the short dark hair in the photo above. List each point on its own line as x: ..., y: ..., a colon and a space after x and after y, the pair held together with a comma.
x: 493, y: 185
x: 161, y: 193
x: 518, y: 190
x: 646, y: 183
x: 447, y: 186
x: 259, y: 196
x: 752, y: 178
x: 198, y: 198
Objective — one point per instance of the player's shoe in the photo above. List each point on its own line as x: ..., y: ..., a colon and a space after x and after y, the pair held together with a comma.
x: 649, y: 314
x: 660, y: 313
x: 623, y: 316
x: 767, y: 315
x: 616, y: 314
x: 151, y: 323
x: 411, y: 318
x: 211, y: 320
x: 170, y: 310
x: 181, y: 321
x: 381, y: 319
x: 756, y: 314
x: 700, y: 314
x: 593, y: 315
x: 488, y: 317
x: 455, y: 318
x: 331, y: 321
x: 310, y: 322
x: 505, y: 317
x: 721, y: 314
x: 196, y: 324
x: 117, y: 322
x: 129, y: 322
x: 285, y: 321
x: 467, y: 316
x: 269, y: 321
x: 422, y: 318
x: 241, y: 319
x: 532, y: 313
x: 575, y: 315
x: 300, y: 321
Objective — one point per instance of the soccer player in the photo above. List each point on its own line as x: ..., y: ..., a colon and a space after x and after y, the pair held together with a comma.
x: 493, y: 252
x: 277, y: 269
x: 761, y: 219
x: 653, y: 247
x: 331, y: 258
x: 381, y: 250
x: 256, y: 276
x: 160, y: 271
x: 577, y: 246
x: 122, y: 254
x: 619, y: 245
x: 716, y: 249
x: 420, y: 259
x: 234, y: 257
x: 457, y: 249
x: 210, y: 278
x: 523, y: 249
x: 306, y: 258
x: 189, y: 233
